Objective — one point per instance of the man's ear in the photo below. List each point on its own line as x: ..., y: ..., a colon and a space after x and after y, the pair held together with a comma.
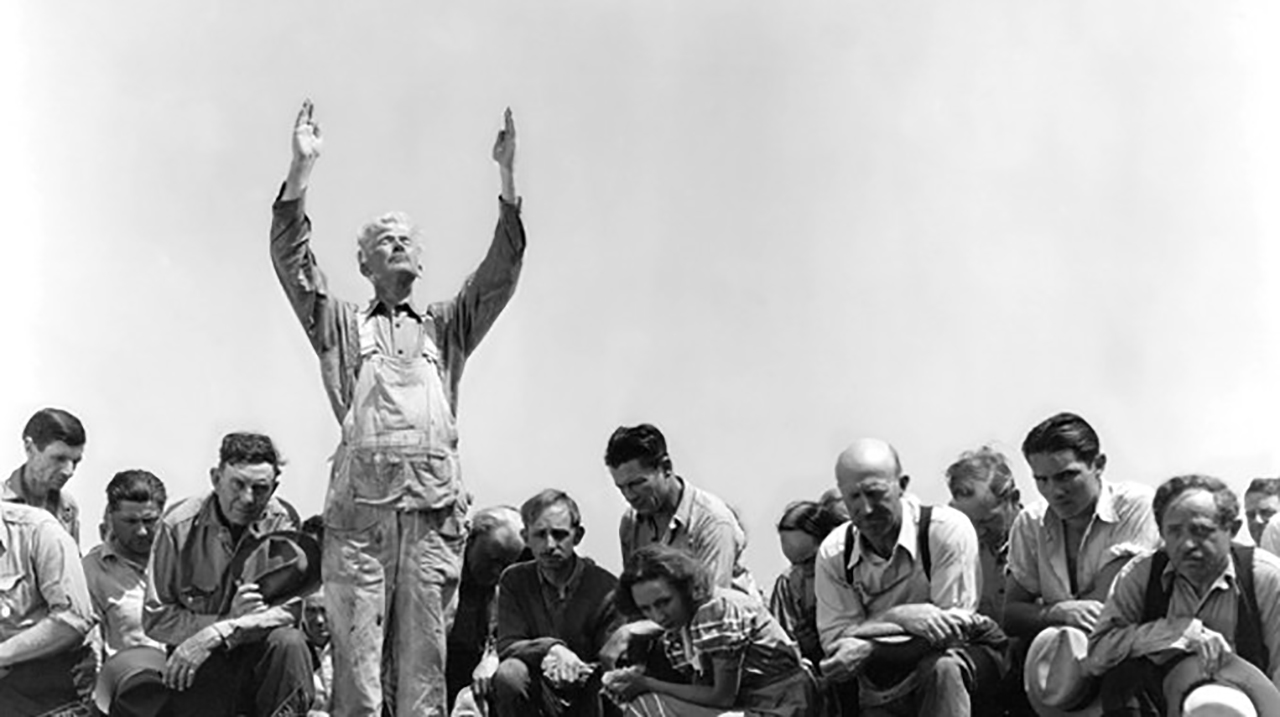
x: 1100, y: 463
x: 578, y: 532
x: 213, y: 476
x: 1234, y: 528
x: 360, y: 262
x: 29, y: 446
x: 904, y: 481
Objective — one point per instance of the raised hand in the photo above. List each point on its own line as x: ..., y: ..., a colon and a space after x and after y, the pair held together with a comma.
x: 306, y: 135
x: 504, y: 147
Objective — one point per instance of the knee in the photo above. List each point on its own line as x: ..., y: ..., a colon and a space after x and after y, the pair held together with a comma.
x: 512, y: 677
x: 946, y: 668
x: 288, y: 640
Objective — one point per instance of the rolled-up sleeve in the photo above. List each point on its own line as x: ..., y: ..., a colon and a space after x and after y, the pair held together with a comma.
x: 840, y: 611
x: 60, y: 576
x: 164, y: 617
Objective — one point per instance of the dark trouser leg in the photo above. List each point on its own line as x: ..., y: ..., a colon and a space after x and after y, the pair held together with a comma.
x: 1134, y: 688
x: 39, y: 686
x: 271, y: 678
x: 948, y: 678
x: 281, y: 674
x: 513, y: 689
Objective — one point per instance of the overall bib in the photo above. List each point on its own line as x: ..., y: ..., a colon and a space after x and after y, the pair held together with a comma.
x: 394, y: 534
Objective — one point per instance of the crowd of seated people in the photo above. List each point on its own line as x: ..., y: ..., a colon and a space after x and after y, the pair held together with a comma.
x: 1102, y: 598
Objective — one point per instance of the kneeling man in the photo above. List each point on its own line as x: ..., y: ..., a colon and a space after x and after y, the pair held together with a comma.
x: 230, y: 653
x: 554, y: 615
x: 897, y: 593
x: 1199, y: 598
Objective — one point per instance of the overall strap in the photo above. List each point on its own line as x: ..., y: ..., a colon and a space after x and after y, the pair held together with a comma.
x: 922, y: 541
x: 848, y: 554
x: 1249, y: 642
x: 1156, y: 603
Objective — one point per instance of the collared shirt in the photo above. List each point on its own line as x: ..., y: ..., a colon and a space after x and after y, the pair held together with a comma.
x: 40, y: 573
x: 1122, y: 526
x: 882, y: 583
x: 534, y: 614
x: 63, y: 507
x: 702, y: 525
x: 795, y: 607
x: 731, y: 625
x: 994, y: 563
x: 191, y: 553
x: 117, y: 587
x: 332, y: 325
x: 1120, y: 634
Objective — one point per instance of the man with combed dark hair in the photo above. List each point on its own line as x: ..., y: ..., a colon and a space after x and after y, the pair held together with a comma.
x: 46, y: 666
x: 116, y: 571
x: 250, y: 657
x: 1065, y: 549
x: 1261, y: 504
x: 554, y: 614
x: 1199, y: 595
x: 396, y: 505
x: 665, y: 508
x: 54, y: 442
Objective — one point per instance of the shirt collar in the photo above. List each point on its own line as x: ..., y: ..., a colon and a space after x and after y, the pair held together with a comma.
x: 906, y: 532
x: 411, y: 306
x: 684, y: 509
x: 1226, y: 580
x: 208, y: 516
x: 1105, y: 510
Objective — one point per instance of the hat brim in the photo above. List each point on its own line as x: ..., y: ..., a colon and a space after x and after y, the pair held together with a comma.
x: 1058, y: 651
x: 235, y: 570
x: 122, y: 667
x: 1235, y: 672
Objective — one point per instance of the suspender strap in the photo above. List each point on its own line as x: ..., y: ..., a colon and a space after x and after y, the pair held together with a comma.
x: 922, y: 545
x: 1156, y: 603
x: 1249, y: 644
x: 922, y: 541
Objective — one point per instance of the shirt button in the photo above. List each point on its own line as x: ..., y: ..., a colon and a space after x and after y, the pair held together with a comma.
x: 401, y: 352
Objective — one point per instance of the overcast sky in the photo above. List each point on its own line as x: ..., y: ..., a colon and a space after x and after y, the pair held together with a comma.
x: 769, y: 228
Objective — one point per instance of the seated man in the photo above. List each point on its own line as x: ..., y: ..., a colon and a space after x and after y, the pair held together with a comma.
x: 1065, y: 550
x: 1199, y: 596
x: 554, y: 615
x: 667, y: 509
x: 909, y: 573
x: 116, y: 571
x: 494, y: 542
x: 46, y: 665
x: 230, y: 652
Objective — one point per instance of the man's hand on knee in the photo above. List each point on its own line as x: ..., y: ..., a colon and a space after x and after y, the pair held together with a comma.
x: 847, y: 660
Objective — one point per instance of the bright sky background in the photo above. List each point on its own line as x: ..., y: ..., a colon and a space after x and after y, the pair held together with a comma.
x: 770, y: 228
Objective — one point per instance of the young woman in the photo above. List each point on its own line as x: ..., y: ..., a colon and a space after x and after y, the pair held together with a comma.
x: 801, y: 530
x: 737, y: 655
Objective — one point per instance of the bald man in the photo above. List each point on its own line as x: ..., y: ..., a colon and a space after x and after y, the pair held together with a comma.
x: 908, y: 571
x: 493, y: 543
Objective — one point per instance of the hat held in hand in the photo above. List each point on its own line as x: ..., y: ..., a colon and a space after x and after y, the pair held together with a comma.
x: 284, y: 565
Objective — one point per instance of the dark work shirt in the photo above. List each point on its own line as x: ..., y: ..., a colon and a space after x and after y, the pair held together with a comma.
x: 534, y: 615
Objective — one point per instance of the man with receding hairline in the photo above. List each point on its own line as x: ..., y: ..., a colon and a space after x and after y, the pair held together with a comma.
x: 900, y: 568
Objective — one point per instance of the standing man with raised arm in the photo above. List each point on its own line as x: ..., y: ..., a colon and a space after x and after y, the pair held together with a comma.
x: 395, y: 514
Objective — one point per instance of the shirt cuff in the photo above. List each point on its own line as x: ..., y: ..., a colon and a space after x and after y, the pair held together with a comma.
x: 282, y: 206
x: 502, y: 202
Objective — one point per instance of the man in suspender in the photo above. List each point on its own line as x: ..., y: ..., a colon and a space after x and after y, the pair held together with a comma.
x: 1200, y: 595
x: 907, y: 574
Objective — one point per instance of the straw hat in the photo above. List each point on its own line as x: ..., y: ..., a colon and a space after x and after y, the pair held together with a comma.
x: 1055, y: 680
x: 1237, y: 689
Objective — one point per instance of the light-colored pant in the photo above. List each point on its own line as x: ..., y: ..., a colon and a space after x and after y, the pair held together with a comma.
x: 389, y: 584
